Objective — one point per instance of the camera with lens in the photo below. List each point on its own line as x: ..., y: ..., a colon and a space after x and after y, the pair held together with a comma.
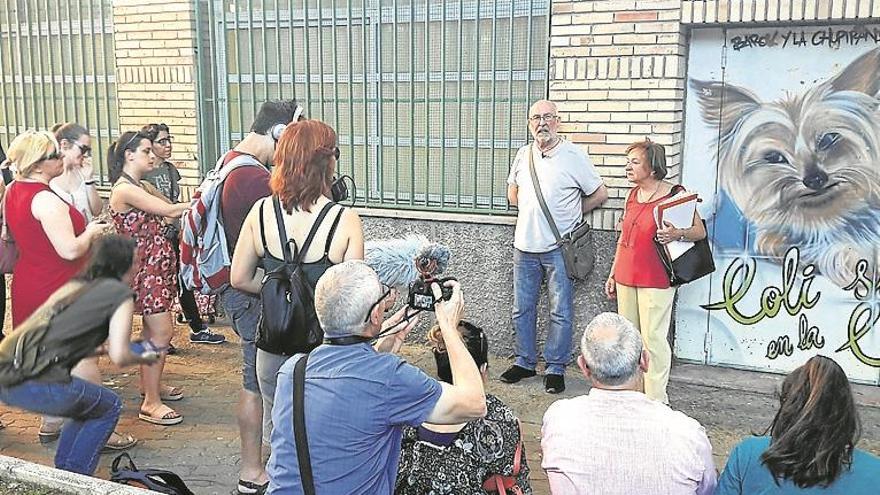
x: 422, y: 297
x: 431, y: 261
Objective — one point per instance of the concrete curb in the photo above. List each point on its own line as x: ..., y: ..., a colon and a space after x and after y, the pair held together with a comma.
x: 12, y: 468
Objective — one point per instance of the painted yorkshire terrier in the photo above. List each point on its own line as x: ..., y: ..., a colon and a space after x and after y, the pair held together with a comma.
x: 805, y: 169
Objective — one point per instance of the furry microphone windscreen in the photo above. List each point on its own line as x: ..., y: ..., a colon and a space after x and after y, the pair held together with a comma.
x: 394, y: 260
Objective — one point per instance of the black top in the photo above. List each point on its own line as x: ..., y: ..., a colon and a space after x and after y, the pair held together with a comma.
x: 314, y: 269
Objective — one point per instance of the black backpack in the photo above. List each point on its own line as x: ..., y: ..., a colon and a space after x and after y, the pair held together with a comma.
x: 157, y: 480
x: 288, y: 323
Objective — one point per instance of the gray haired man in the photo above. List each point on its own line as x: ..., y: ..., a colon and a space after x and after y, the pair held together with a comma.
x: 358, y: 396
x: 616, y: 440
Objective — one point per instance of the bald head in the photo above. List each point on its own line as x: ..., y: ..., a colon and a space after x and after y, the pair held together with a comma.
x: 544, y: 123
x: 611, y: 347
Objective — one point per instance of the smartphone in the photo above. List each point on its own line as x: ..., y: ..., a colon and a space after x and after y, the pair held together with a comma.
x: 145, y: 349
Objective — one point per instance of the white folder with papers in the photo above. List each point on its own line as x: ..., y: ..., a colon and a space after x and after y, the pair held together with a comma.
x: 679, y: 211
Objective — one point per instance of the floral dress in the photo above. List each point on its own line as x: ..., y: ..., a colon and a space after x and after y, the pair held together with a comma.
x: 482, y: 448
x: 155, y: 284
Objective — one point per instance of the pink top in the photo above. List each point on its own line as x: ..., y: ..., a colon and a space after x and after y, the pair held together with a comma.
x: 622, y: 442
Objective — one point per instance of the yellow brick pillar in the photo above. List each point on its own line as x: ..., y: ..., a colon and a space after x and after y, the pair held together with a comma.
x: 617, y: 72
x: 155, y: 73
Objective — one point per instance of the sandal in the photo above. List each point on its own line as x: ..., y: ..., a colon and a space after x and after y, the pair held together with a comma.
x: 119, y: 441
x: 49, y: 432
x: 171, y: 417
x: 170, y: 394
x: 251, y: 488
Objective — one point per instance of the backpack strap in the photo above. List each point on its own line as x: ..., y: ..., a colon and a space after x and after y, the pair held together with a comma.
x: 263, y: 228
x: 282, y: 233
x: 299, y: 426
x: 332, y: 232
x: 314, y: 230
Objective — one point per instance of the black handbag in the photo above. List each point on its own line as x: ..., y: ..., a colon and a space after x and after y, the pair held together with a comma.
x: 577, y: 245
x: 695, y: 263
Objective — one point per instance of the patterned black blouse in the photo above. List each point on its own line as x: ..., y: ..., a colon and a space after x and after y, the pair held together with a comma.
x: 482, y: 448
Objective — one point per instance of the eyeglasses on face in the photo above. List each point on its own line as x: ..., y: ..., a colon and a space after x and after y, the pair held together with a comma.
x: 386, y: 291
x: 86, y: 151
x: 165, y: 141
x: 336, y: 153
x: 547, y: 117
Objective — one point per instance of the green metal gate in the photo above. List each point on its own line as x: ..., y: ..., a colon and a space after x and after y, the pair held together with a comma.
x: 57, y: 65
x: 429, y: 98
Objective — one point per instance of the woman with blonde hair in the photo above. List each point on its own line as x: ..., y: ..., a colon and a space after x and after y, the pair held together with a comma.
x: 52, y: 236
x: 305, y: 161
x: 139, y: 214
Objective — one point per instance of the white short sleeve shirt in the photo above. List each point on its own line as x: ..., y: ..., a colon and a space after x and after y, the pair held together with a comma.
x: 566, y: 174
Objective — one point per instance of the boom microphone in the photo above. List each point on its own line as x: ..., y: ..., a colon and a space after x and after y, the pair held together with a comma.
x: 400, y: 262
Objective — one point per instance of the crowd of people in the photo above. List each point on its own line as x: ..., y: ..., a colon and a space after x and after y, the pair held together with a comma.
x: 80, y: 279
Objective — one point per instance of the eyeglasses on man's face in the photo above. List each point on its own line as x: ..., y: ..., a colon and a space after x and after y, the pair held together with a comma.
x: 547, y: 117
x: 386, y: 291
x: 165, y: 141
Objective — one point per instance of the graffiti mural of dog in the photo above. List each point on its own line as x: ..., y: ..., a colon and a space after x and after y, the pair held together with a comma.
x: 805, y: 169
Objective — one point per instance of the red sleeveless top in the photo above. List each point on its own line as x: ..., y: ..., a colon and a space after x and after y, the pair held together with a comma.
x: 637, y: 263
x: 40, y: 271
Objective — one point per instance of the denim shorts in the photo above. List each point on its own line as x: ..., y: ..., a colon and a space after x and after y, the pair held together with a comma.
x: 243, y: 310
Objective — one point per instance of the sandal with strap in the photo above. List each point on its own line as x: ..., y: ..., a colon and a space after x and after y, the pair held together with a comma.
x: 119, y: 441
x: 170, y: 394
x: 171, y: 417
x: 251, y: 488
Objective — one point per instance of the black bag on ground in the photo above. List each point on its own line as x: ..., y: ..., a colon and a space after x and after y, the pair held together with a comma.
x: 288, y: 323
x: 157, y: 480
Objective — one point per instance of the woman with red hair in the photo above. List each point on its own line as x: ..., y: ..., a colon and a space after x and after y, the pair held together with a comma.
x: 305, y: 161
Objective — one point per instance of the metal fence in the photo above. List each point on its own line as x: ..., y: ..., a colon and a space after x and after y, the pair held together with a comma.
x: 428, y: 98
x: 57, y: 65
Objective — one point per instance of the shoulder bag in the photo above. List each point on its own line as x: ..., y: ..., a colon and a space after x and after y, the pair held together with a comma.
x: 577, y: 245
x: 695, y: 263
x: 8, y: 249
x: 299, y: 427
x: 499, y: 483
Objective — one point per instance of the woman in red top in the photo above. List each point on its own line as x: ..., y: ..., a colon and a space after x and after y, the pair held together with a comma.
x: 638, y: 279
x: 51, y: 235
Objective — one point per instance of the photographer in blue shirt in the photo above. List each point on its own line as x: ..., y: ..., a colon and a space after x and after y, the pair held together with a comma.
x: 359, y: 396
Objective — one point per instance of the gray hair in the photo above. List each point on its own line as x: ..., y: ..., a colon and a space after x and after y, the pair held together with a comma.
x: 343, y: 296
x: 611, y: 347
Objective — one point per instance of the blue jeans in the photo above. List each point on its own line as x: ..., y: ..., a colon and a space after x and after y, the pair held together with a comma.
x: 529, y: 271
x: 92, y: 412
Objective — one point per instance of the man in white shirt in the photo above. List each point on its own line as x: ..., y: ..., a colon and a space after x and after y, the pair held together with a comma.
x: 571, y: 187
x: 616, y: 440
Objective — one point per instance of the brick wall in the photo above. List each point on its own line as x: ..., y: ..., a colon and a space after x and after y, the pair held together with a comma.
x: 618, y: 67
x: 155, y: 72
x: 617, y: 73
